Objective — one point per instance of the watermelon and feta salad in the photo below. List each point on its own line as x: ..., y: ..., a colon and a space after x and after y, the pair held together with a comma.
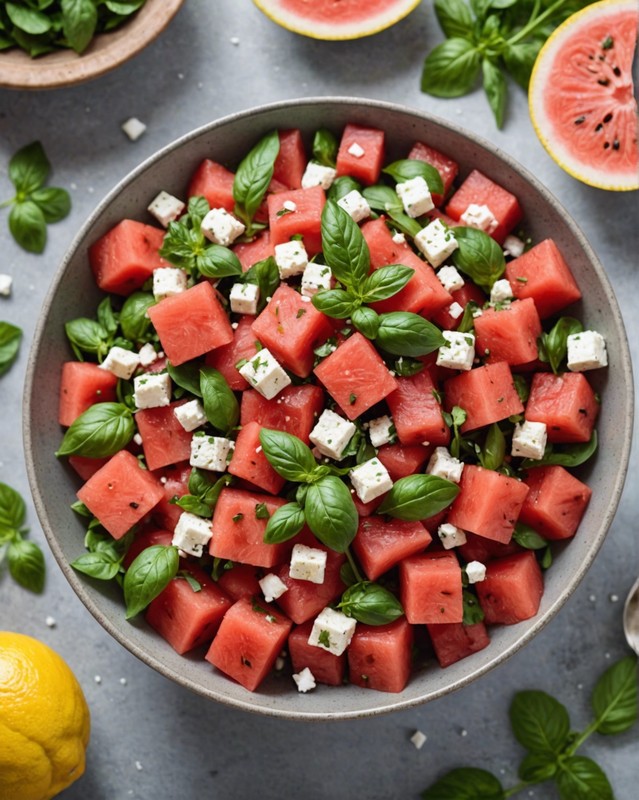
x: 327, y: 413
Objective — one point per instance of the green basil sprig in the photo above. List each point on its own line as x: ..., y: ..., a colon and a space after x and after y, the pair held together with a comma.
x: 341, y: 186
x: 25, y: 558
x: 408, y: 168
x: 204, y: 493
x: 34, y: 205
x: 418, y: 497
x: 567, y: 455
x: 96, y: 337
x: 553, y: 346
x: 105, y: 555
x: 370, y: 604
x: 492, y: 454
x: 101, y: 431
x: 455, y: 418
x: 325, y: 147
x: 403, y: 333
x: 133, y: 318
x: 330, y: 513
x: 10, y: 338
x: 220, y: 404
x: 149, y: 574
x: 252, y: 179
x: 344, y: 247
x: 478, y: 256
x: 288, y: 456
x: 285, y: 523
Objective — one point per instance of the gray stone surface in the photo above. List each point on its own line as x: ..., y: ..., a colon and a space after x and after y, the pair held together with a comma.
x: 150, y: 738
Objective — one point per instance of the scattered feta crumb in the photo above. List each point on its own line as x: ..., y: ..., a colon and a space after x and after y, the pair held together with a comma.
x: 234, y: 40
x: 513, y: 246
x: 137, y: 439
x: 399, y: 238
x: 370, y: 480
x: 450, y: 278
x: 614, y: 598
x: 458, y: 352
x: 529, y: 440
x: 147, y: 355
x: 592, y: 598
x: 5, y: 285
x: 279, y: 663
x: 221, y: 228
x: 122, y: 681
x: 318, y: 175
x: 415, y: 196
x: 586, y: 350
x: 289, y: 205
x: 138, y: 766
x: 356, y: 205
x: 463, y: 732
x: 418, y: 739
x: 308, y: 564
x: 97, y: 679
x: 133, y: 128
x: 475, y: 571
x: 332, y: 631
x: 451, y: 536
x: 50, y: 622
x: 305, y: 680
x: 165, y: 208
x: 501, y: 291
x: 436, y: 242
x: 272, y: 587
x: 480, y: 217
x: 455, y: 310
x: 356, y: 150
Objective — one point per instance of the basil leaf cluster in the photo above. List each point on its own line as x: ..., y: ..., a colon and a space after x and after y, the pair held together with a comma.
x: 25, y: 558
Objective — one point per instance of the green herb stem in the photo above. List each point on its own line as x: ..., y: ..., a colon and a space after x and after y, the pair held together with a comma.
x: 518, y: 787
x: 353, y: 565
x: 533, y: 23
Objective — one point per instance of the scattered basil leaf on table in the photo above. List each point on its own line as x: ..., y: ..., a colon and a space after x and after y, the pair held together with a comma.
x: 10, y: 338
x: 25, y: 558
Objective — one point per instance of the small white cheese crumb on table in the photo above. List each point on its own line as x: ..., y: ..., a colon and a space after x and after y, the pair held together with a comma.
x: 190, y: 415
x: 475, y: 571
x: 265, y: 374
x: 479, y: 217
x: 291, y: 258
x: 120, y: 362
x: 529, y: 440
x: 317, y: 174
x: 152, y: 390
x: 305, y: 680
x: 165, y: 208
x: 307, y: 564
x: 209, y: 452
x: 443, y: 465
x: 272, y: 587
x: 332, y: 631
x: 586, y: 350
x: 133, y: 128
x: 192, y: 533
x: 458, y: 352
x: 370, y: 480
x: 331, y: 434
x: 221, y: 228
x: 418, y: 739
x: 415, y: 196
x: 50, y: 622
x: 356, y: 205
x: 451, y: 536
x: 6, y: 282
x: 436, y: 242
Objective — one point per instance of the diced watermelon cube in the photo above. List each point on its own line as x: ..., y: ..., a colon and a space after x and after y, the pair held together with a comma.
x: 402, y: 460
x: 365, y: 167
x: 326, y: 667
x: 487, y: 394
x: 446, y: 166
x: 164, y: 440
x: 355, y: 376
x: 512, y: 589
x: 250, y: 253
x: 306, y: 220
x: 468, y: 292
x: 480, y: 190
x: 555, y: 503
x: 453, y: 641
x: 509, y: 334
x: 147, y: 537
x: 416, y: 411
x: 215, y: 183
x: 174, y: 479
x: 431, y: 588
x: 250, y: 463
x: 478, y: 548
x: 248, y: 641
x: 380, y: 656
x: 566, y: 403
x: 291, y: 160
x: 382, y: 542
x: 121, y: 493
x: 225, y: 358
x: 240, y: 580
x: 81, y: 385
x: 295, y: 409
x: 86, y: 467
x: 191, y: 323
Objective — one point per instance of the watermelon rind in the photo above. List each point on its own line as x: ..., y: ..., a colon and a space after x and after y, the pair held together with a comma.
x: 289, y: 14
x: 584, y: 104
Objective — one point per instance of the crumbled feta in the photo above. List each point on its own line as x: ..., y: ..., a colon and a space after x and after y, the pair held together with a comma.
x: 415, y: 196
x: 272, y: 587
x: 133, y: 128
x: 529, y: 440
x: 147, y: 355
x: 332, y: 631
x: 356, y: 205
x: 513, y: 246
x: 436, y: 242
x: 418, y: 739
x: 586, y: 350
x: 318, y: 175
x: 450, y: 278
x: 443, y: 465
x: 50, y: 622
x: 480, y: 217
x: 501, y: 291
x: 190, y: 415
x: 370, y: 480
x: 316, y: 277
x: 120, y: 362
x: 244, y: 298
x: 356, y: 150
x: 209, y: 452
x: 451, y: 536
x: 399, y: 238
x: 289, y: 205
x: 455, y: 310
x: 331, y: 434
x: 165, y: 208
x: 5, y: 285
x: 220, y: 227
x: 152, y: 390
x: 475, y: 571
x: 192, y: 533
x: 265, y: 374
x: 307, y: 564
x: 137, y: 439
x: 305, y: 680
x: 458, y: 352
x: 291, y: 258
x: 381, y: 430
x: 168, y: 281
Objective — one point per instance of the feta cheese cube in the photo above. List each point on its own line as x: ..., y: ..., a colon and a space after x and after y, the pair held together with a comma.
x: 501, y: 291
x: 415, y: 196
x: 192, y: 533
x: 458, y: 352
x: 272, y: 587
x: 436, y: 242
x: 450, y: 278
x: 168, y: 281
x: 451, y: 536
x: 455, y: 310
x: 121, y: 363
x: 356, y: 150
x: 370, y: 480
x: 291, y: 258
x: 513, y: 246
x: 265, y: 374
x: 316, y: 277
x: 190, y: 415
x: 475, y: 571
x: 210, y: 452
x: 305, y: 680
x: 381, y: 430
x: 165, y: 208
x: 355, y: 204
x: 443, y: 465
x: 133, y: 128
x: 220, y: 227
x: 318, y: 175
x: 529, y: 440
x: 147, y: 355
x: 307, y: 564
x: 332, y: 631
x: 244, y: 298
x: 586, y: 350
x: 480, y: 217
x: 5, y: 285
x: 331, y: 434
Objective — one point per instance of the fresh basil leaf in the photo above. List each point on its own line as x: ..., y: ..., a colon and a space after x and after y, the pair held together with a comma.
x: 28, y: 226
x: 540, y: 723
x: 288, y: 455
x: 528, y: 538
x: 266, y: 276
x: 182, y: 244
x: 522, y: 387
x: 496, y: 89
x: 580, y: 778
x: 553, y: 346
x: 403, y: 333
x: 341, y: 186
x: 494, y: 450
x: 134, y: 322
x: 537, y: 768
x: 473, y: 612
x: 12, y: 508
x: 10, y: 338
x: 370, y: 604
x: 478, y: 256
x: 385, y: 282
x: 87, y: 336
x: 124, y: 7
x: 418, y: 497
x: 407, y: 225
x: 335, y: 303
x: 568, y: 455
x: 451, y: 69
x: 344, y: 246
x: 149, y: 574
x: 405, y: 367
x: 107, y: 317
x: 80, y: 509
x: 218, y: 262
x: 29, y: 168
x: 254, y: 175
x: 382, y: 198
x: 26, y: 564
x: 220, y: 404
x: 79, y: 21
x: 454, y: 18
x: 102, y: 564
x: 614, y: 698
x: 187, y: 376
x: 193, y: 505
x: 520, y: 58
x: 408, y: 168
x: 466, y: 783
x: 366, y: 320
x: 347, y: 574
x: 325, y: 147
x: 330, y: 513
x: 285, y: 523
x: 27, y: 19
x: 101, y: 431
x: 206, y: 488
x: 54, y: 203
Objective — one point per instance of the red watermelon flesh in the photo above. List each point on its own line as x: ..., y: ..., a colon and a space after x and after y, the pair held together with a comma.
x: 453, y: 641
x: 380, y: 656
x: 81, y: 385
x: 326, y: 667
x: 225, y: 358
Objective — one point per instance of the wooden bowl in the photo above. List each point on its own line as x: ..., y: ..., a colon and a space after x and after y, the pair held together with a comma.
x: 106, y: 52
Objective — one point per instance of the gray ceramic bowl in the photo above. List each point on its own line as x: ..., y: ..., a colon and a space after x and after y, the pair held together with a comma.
x: 74, y: 294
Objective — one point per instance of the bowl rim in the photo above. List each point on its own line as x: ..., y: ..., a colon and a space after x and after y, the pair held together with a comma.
x: 386, y: 703
x: 106, y: 52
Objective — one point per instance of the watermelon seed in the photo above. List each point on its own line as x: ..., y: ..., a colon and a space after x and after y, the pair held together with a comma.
x: 615, y: 145
x: 578, y: 121
x: 616, y: 71
x: 603, y: 81
x: 608, y: 117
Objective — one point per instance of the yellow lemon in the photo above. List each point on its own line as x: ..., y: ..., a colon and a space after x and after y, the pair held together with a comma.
x: 44, y: 721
